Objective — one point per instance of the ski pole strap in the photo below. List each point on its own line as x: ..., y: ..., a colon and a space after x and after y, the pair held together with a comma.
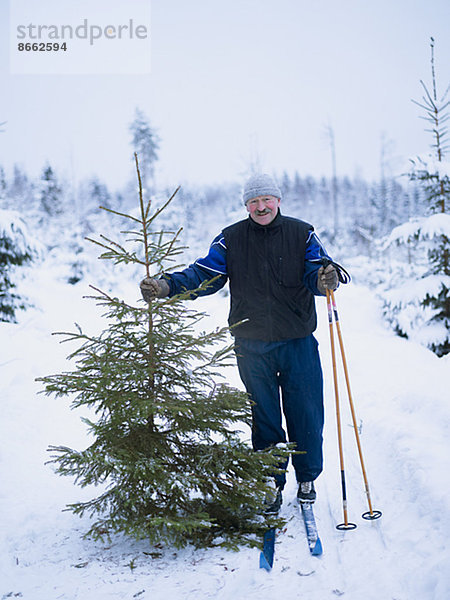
x: 343, y: 274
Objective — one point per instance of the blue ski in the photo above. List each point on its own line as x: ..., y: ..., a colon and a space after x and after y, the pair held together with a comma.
x: 314, y: 543
x: 268, y: 551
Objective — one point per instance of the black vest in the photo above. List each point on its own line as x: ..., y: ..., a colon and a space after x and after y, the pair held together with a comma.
x: 265, y: 265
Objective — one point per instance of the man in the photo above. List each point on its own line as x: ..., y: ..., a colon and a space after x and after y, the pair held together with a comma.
x: 274, y: 266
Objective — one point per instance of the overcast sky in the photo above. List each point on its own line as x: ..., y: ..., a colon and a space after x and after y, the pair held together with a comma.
x: 237, y: 78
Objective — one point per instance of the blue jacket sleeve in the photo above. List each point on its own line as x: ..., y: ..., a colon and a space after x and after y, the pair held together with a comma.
x: 315, y: 252
x: 213, y: 265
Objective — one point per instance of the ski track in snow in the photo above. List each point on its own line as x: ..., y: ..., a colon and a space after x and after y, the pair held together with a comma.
x: 401, y: 398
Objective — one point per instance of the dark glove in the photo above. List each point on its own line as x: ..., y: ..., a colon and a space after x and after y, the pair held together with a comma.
x: 327, y: 278
x: 154, y: 288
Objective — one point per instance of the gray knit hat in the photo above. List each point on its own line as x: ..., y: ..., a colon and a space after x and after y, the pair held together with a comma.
x: 260, y: 185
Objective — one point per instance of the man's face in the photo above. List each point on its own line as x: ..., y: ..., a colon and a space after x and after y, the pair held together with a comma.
x: 263, y: 209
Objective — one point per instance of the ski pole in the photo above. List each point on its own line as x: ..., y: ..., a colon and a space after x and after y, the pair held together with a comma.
x: 345, y: 524
x: 370, y: 514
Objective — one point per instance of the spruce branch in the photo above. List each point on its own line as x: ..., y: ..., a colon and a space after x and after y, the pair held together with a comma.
x: 107, y: 299
x: 120, y: 214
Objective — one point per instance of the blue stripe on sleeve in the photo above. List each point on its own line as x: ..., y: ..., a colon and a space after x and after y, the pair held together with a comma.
x: 203, y: 269
x: 215, y: 261
x: 315, y: 251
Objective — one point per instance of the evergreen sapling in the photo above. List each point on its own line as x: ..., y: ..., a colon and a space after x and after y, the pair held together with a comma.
x: 433, y: 174
x: 17, y: 248
x: 167, y: 444
x: 420, y: 308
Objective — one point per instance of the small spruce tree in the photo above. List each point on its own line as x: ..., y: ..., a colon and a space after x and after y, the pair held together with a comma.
x: 50, y: 193
x: 145, y: 143
x: 16, y: 249
x: 3, y: 188
x: 166, y: 440
x: 433, y: 175
x: 421, y: 309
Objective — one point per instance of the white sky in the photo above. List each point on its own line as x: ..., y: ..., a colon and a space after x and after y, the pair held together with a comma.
x: 231, y: 78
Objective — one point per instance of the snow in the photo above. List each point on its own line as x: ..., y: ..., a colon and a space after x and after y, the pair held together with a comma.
x: 425, y: 228
x: 430, y: 163
x: 402, y: 307
x: 400, y: 391
x: 408, y: 284
x: 13, y: 227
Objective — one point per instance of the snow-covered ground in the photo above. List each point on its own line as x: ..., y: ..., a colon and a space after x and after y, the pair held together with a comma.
x: 401, y: 393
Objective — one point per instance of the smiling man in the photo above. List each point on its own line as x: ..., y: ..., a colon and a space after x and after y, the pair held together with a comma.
x: 263, y: 209
x: 274, y: 267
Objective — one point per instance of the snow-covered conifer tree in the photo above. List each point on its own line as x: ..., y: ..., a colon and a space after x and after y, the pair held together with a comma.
x: 16, y: 249
x: 420, y: 308
x: 21, y: 193
x: 50, y: 193
x: 99, y: 194
x: 3, y: 188
x: 145, y: 143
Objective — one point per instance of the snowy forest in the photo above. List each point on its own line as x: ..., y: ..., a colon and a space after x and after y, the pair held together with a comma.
x: 391, y: 234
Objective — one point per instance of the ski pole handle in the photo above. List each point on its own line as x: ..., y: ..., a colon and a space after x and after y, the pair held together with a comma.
x: 343, y: 274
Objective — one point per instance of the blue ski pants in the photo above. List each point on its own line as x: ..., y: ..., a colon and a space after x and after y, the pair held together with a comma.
x: 285, y: 376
